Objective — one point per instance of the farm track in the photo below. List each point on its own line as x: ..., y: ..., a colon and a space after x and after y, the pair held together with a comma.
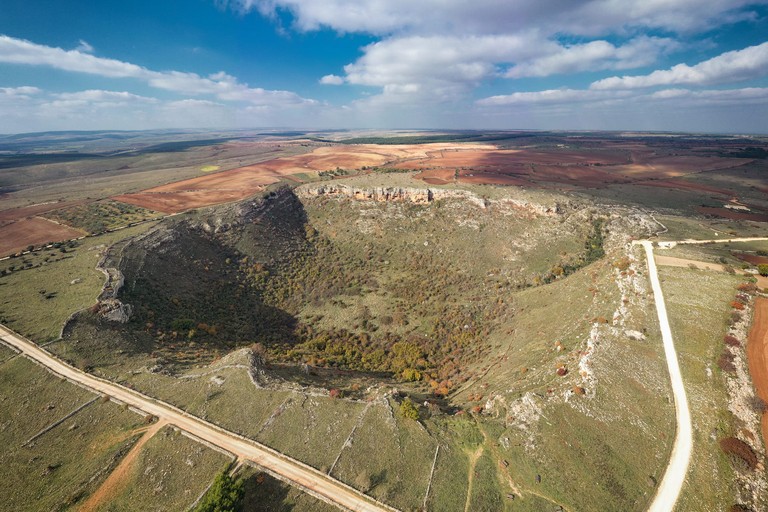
x: 674, y: 476
x: 303, y: 476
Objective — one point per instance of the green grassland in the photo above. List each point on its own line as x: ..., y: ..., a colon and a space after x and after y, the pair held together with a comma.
x: 170, y: 473
x: 389, y: 458
x: 701, y: 228
x: 698, y: 306
x: 40, y: 290
x: 721, y: 253
x: 64, y: 464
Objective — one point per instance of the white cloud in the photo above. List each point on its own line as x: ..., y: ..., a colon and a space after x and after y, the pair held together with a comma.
x: 25, y: 90
x: 595, y: 55
x: 331, y: 80
x: 586, y: 17
x: 744, y: 96
x: 551, y: 96
x: 449, y: 47
x: 84, y: 47
x: 97, y: 95
x: 221, y: 85
x: 729, y: 67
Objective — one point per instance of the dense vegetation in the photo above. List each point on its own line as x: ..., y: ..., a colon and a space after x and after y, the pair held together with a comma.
x: 224, y: 495
x: 314, y: 291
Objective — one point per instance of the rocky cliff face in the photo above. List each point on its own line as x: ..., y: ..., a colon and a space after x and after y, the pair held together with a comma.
x: 421, y: 196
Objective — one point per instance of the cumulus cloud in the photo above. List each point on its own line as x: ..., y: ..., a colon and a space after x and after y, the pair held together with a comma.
x: 587, y: 17
x: 221, y: 85
x: 331, y: 80
x: 729, y: 67
x: 450, y: 47
x: 25, y: 90
x: 594, y: 56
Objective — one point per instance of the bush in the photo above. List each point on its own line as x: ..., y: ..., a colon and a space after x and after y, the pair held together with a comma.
x: 726, y: 362
x: 731, y: 341
x: 763, y: 269
x: 409, y: 410
x: 740, y: 452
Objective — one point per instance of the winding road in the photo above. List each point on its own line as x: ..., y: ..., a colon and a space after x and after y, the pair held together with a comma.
x: 674, y: 476
x: 302, y: 475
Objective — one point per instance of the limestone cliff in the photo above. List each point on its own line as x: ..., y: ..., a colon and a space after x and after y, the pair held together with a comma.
x: 420, y: 196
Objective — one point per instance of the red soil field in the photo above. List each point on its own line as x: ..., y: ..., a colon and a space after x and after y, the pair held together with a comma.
x: 731, y: 214
x: 572, y: 168
x: 16, y: 236
x: 757, y: 356
x: 237, y: 184
x: 752, y: 258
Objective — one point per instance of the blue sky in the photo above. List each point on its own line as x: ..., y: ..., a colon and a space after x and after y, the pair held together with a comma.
x: 678, y: 65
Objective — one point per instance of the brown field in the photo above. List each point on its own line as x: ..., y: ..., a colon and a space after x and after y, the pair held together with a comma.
x: 752, y: 258
x: 237, y: 184
x: 731, y: 214
x: 584, y: 169
x: 17, y: 235
x: 757, y: 356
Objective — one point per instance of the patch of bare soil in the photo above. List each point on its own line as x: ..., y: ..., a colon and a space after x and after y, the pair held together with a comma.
x: 757, y: 356
x: 119, y: 477
x: 17, y: 235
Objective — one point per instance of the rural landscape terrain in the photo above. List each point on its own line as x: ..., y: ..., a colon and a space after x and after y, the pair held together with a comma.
x: 395, y: 320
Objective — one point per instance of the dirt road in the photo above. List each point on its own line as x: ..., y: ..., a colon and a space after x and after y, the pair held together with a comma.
x: 757, y: 356
x: 674, y: 476
x: 304, y: 476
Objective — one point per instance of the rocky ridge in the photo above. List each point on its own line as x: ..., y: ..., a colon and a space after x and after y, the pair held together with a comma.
x: 421, y: 196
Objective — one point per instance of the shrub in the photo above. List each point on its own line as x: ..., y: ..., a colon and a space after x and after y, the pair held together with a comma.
x: 726, y: 362
x: 763, y: 269
x: 731, y: 341
x: 747, y: 287
x: 409, y: 410
x: 740, y: 452
x: 737, y: 305
x: 224, y: 495
x: 739, y: 508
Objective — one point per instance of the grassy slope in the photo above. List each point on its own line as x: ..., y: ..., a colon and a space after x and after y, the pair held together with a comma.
x: 264, y: 493
x: 170, y: 473
x: 697, y: 302
x: 79, y: 452
x: 26, y: 310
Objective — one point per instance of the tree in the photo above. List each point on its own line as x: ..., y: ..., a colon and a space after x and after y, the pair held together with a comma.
x: 224, y: 495
x: 763, y: 269
x: 409, y: 410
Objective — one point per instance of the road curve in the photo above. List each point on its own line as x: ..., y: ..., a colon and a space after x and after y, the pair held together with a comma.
x: 314, y: 481
x: 674, y: 476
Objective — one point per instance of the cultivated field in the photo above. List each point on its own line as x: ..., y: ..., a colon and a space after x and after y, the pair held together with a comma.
x: 242, y: 182
x: 757, y: 354
x: 17, y: 235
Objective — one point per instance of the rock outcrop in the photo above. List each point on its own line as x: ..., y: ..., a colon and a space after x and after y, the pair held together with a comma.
x: 420, y: 196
